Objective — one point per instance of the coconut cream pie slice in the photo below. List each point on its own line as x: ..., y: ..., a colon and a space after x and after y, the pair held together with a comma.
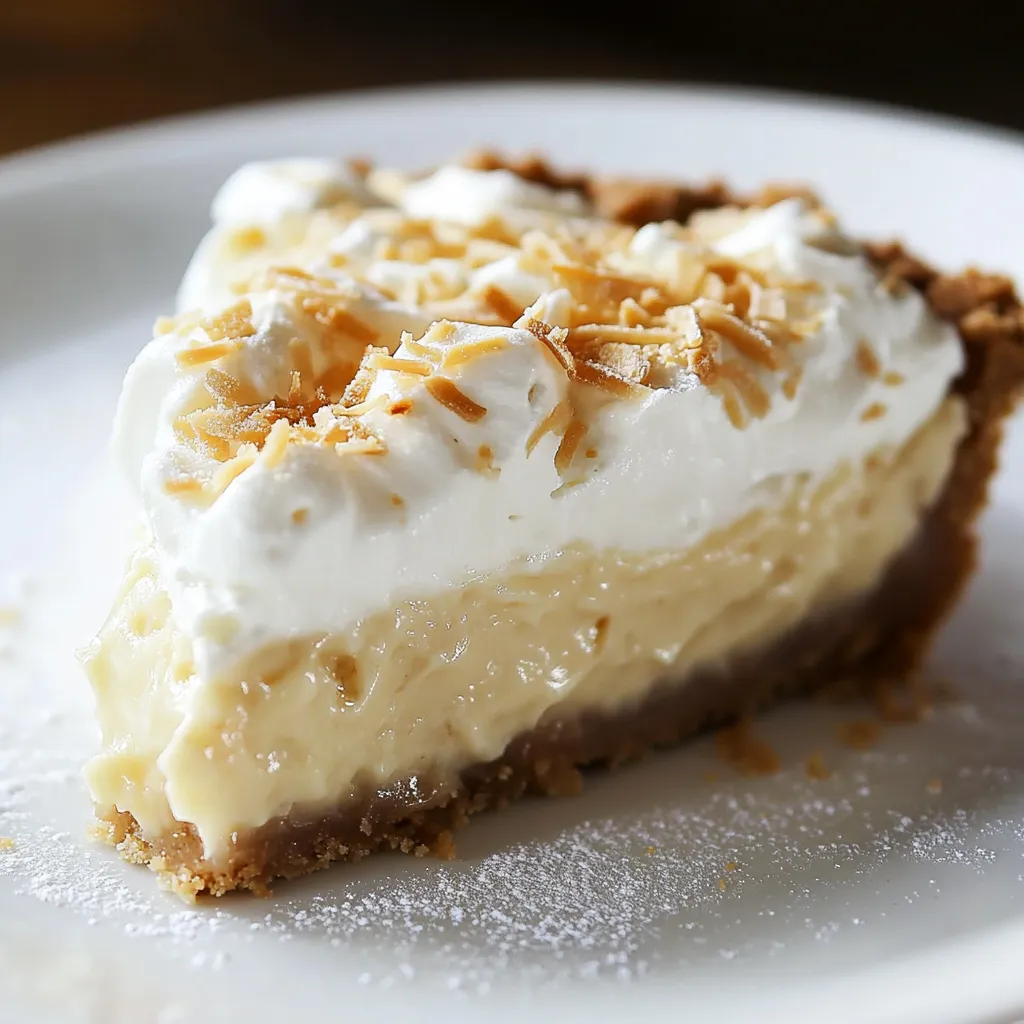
x: 456, y: 483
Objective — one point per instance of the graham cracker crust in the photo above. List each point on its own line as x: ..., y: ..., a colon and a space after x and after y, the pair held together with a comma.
x: 881, y: 637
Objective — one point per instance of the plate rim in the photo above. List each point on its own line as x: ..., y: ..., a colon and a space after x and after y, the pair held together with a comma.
x: 91, y: 152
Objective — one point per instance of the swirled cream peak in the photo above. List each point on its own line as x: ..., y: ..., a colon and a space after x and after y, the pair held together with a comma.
x: 390, y: 401
x: 465, y: 196
x: 266, y: 192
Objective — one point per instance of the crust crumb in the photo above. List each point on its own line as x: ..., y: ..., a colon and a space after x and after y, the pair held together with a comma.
x: 858, y: 735
x: 815, y: 768
x: 485, y: 461
x: 737, y: 745
x: 867, y: 361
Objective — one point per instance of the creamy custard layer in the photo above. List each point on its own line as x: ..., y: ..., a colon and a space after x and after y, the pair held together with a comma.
x: 436, y: 684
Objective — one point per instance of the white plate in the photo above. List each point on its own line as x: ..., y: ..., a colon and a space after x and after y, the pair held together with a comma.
x: 866, y: 896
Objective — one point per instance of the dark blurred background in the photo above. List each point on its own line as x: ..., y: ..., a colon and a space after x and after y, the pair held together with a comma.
x: 68, y: 66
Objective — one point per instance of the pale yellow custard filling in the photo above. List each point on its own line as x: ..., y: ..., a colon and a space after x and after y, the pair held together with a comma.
x: 450, y: 678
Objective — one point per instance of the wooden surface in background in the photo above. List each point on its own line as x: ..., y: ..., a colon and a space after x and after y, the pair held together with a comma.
x: 69, y: 66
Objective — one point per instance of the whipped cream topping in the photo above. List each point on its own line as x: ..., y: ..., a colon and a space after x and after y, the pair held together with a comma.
x: 465, y: 196
x: 455, y: 462
x: 263, y: 193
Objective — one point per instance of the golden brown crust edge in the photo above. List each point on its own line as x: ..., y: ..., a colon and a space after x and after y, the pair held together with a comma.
x: 886, y: 640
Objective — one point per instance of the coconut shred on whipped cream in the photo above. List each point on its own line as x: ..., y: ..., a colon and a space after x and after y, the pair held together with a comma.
x: 440, y: 470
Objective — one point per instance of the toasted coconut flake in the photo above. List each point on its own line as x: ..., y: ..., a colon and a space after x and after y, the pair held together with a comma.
x: 444, y: 390
x: 570, y: 442
x: 750, y: 388
x: 247, y: 424
x: 485, y: 461
x: 596, y: 288
x: 738, y: 297
x: 628, y: 361
x: 208, y: 442
x: 400, y: 407
x: 792, y: 383
x: 623, y: 335
x: 701, y: 363
x: 197, y: 355
x: 502, y: 303
x: 227, y: 388
x: 875, y: 411
x: 468, y: 351
x: 337, y: 433
x: 654, y: 301
x: 164, y: 325
x: 233, y: 324
x: 632, y: 314
x: 233, y: 468
x: 300, y: 516
x: 712, y: 287
x: 731, y: 270
x: 362, y: 408
x: 276, y: 443
x: 416, y: 367
x: 586, y: 372
x: 590, y: 453
x: 339, y: 320
x: 368, y: 445
x: 554, y: 340
x: 568, y: 485
x: 777, y: 332
x: 745, y: 338
x: 359, y: 387
x: 398, y: 501
x: 867, y: 361
x: 249, y: 239
x: 554, y: 423
x: 733, y: 408
x: 441, y: 330
x: 494, y: 229
x: 893, y: 379
x: 185, y: 486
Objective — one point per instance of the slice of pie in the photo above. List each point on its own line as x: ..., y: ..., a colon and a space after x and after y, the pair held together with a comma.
x: 456, y: 483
